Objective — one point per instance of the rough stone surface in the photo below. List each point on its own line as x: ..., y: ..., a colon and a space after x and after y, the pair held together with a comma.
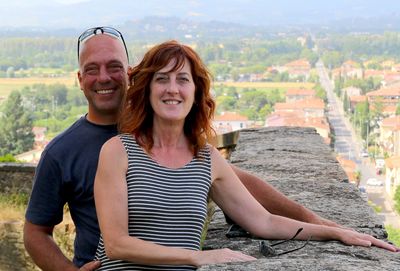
x: 16, y: 177
x: 13, y: 256
x: 302, y: 166
x: 294, y: 160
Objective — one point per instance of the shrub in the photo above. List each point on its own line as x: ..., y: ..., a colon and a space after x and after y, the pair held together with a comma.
x: 7, y: 158
x: 393, y: 235
x: 397, y: 199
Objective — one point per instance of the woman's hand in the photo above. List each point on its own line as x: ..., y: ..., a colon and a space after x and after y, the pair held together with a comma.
x: 216, y: 256
x: 350, y: 237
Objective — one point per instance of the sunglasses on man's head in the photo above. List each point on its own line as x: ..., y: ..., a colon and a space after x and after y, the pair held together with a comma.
x: 101, y: 30
x: 269, y: 250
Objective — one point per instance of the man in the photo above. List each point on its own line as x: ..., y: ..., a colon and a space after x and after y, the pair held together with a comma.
x: 66, y: 171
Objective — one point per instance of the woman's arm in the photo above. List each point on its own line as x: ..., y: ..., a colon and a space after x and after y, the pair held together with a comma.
x: 231, y: 195
x: 111, y: 200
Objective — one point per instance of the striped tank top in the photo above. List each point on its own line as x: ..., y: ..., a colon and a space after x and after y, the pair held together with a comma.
x: 165, y: 206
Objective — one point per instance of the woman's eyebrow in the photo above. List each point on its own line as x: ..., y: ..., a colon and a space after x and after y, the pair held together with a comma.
x: 160, y: 73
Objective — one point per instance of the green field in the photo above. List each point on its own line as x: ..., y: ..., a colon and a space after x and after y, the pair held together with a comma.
x: 267, y: 85
x: 9, y: 84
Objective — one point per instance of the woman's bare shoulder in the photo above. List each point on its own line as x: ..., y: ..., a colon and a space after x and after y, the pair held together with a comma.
x: 113, y: 146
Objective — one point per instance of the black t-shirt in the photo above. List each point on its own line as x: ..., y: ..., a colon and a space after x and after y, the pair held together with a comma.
x: 65, y: 174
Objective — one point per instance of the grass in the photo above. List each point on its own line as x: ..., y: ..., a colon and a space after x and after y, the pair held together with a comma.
x: 7, y: 85
x: 64, y: 235
x: 393, y: 235
x: 13, y: 206
x: 267, y: 85
x: 376, y: 208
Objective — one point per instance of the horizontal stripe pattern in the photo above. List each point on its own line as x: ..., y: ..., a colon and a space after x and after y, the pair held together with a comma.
x: 165, y: 206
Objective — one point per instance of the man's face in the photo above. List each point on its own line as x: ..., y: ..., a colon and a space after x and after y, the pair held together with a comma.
x: 103, y: 77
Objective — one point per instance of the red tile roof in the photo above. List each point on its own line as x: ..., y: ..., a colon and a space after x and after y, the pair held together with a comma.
x: 300, y: 91
x: 391, y: 123
x: 393, y: 162
x: 299, y: 63
x: 302, y: 104
x: 350, y: 63
x: 373, y: 73
x: 385, y: 92
x: 390, y: 109
x: 358, y: 98
x: 230, y: 116
x: 349, y: 167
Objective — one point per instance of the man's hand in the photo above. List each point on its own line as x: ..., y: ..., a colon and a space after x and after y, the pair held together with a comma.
x: 90, y: 266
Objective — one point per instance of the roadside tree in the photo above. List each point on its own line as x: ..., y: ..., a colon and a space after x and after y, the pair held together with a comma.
x: 397, y: 199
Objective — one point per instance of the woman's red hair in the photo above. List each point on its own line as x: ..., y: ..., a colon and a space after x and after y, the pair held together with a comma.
x: 137, y: 114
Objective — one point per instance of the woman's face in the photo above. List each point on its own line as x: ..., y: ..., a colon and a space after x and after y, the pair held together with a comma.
x: 172, y: 92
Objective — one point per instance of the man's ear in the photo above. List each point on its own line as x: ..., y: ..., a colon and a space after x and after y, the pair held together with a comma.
x: 79, y: 79
x: 130, y: 71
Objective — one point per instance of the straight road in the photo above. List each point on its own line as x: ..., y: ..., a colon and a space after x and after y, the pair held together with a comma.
x: 348, y: 146
x: 345, y: 142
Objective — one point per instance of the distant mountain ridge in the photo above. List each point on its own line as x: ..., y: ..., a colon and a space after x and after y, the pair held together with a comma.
x: 157, y: 28
x: 56, y: 14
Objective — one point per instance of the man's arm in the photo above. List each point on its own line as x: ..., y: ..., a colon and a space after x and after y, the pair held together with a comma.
x: 44, y: 251
x: 276, y: 202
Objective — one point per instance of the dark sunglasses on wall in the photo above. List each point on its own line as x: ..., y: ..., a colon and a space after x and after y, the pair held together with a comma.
x: 268, y: 250
x: 101, y: 30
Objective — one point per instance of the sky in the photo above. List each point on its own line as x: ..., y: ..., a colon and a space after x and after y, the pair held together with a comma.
x: 83, y: 13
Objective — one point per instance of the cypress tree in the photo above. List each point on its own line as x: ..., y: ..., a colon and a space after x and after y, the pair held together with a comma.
x: 16, y: 134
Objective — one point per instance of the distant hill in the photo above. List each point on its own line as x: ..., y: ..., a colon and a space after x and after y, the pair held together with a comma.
x: 156, y: 28
x: 338, y: 15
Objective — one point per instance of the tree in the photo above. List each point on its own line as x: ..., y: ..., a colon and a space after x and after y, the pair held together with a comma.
x: 320, y: 92
x: 75, y: 97
x: 346, y: 102
x: 58, y: 93
x: 339, y: 82
x: 397, y: 199
x: 398, y: 109
x: 226, y: 103
x: 16, y: 134
x: 265, y: 111
x: 332, y: 58
x: 364, y: 120
x: 377, y: 110
x: 362, y: 112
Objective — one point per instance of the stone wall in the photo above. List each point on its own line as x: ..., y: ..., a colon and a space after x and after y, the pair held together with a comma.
x: 297, y: 162
x: 16, y: 177
x: 300, y: 164
x: 13, y: 256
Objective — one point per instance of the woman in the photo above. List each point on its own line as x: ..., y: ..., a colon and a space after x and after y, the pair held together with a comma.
x: 153, y: 180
